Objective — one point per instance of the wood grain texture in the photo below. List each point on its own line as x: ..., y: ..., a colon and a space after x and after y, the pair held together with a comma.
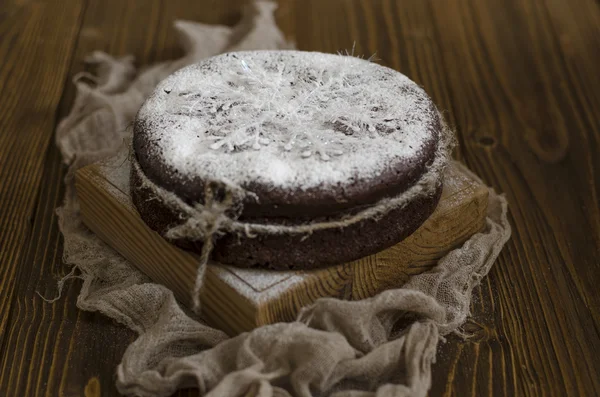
x: 50, y: 349
x: 31, y: 34
x: 239, y: 300
x: 518, y: 80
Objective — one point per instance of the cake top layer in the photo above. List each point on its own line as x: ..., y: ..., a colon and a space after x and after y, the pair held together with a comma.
x: 287, y: 121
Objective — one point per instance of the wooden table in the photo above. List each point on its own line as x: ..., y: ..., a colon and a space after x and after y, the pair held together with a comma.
x: 517, y: 78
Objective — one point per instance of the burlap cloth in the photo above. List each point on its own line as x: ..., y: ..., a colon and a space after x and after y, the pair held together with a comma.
x: 382, y: 346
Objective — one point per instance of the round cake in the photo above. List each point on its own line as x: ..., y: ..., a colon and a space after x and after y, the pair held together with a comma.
x: 287, y: 159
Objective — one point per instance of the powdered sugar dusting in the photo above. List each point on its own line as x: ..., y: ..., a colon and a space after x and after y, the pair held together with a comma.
x: 259, y: 279
x: 286, y: 119
x: 259, y: 285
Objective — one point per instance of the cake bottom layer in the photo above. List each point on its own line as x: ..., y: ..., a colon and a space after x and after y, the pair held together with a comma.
x: 322, y: 248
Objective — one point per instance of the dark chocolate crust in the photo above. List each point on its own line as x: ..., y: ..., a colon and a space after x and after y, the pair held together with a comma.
x: 284, y: 252
x: 299, y: 203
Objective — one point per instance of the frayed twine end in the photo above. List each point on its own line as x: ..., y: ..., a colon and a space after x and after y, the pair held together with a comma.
x: 60, y: 285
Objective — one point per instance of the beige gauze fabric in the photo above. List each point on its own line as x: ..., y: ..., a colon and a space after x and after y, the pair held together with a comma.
x: 335, y: 347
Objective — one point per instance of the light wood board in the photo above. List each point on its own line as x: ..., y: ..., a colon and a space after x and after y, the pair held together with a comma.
x: 237, y: 300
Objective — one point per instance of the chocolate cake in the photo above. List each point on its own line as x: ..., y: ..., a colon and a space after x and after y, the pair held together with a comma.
x: 287, y: 159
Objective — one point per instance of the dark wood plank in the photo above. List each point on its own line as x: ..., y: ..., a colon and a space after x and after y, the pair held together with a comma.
x: 118, y: 28
x: 521, y: 129
x: 31, y: 34
x: 56, y: 349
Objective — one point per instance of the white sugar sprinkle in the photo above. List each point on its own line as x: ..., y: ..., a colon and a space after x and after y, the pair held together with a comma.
x: 286, y: 119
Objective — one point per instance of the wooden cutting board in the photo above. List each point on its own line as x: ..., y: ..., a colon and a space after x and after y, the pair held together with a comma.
x: 237, y: 300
